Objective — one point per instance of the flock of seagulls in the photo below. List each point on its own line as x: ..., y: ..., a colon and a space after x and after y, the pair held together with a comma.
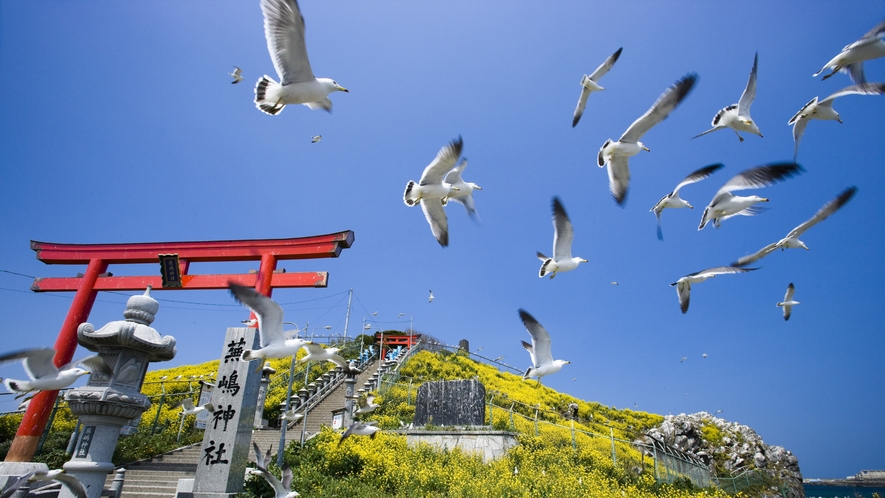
x: 442, y: 180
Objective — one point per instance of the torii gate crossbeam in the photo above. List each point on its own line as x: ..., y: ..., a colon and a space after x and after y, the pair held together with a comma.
x: 98, y: 257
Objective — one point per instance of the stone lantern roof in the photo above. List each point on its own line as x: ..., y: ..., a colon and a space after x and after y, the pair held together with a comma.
x: 134, y: 332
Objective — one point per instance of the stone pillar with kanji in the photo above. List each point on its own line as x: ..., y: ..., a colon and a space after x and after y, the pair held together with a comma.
x: 106, y: 403
x: 228, y: 436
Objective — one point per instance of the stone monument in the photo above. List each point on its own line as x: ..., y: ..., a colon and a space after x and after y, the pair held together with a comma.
x: 106, y: 404
x: 460, y: 406
x: 451, y: 402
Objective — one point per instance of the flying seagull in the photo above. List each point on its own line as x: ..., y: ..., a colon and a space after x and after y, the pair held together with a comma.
x: 683, y: 285
x: 284, y: 31
x: 726, y: 205
x: 563, y: 234
x: 188, y: 407
x: 270, y: 325
x: 291, y: 416
x: 43, y: 374
x: 672, y: 200
x: 788, y: 302
x: 432, y: 191
x: 791, y: 241
x: 281, y: 489
x: 589, y: 84
x: 430, y: 298
x: 464, y: 192
x: 851, y: 58
x: 316, y: 352
x: 358, y: 428
x: 68, y: 481
x: 616, y: 154
x: 236, y: 75
x: 823, y: 109
x: 316, y: 138
x: 737, y: 116
x: 366, y: 404
x: 542, y: 359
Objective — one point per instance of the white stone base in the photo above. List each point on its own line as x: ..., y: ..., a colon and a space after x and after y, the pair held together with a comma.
x: 489, y: 444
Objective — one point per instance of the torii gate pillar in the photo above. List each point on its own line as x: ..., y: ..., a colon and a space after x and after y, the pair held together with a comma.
x: 98, y: 257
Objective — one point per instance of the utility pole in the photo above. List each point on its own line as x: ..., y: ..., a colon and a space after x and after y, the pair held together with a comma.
x: 347, y: 317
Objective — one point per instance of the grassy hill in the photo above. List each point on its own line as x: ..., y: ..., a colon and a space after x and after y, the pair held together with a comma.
x: 548, y: 461
x: 568, y: 447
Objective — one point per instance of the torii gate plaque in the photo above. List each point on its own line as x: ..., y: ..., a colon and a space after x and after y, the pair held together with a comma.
x: 98, y: 257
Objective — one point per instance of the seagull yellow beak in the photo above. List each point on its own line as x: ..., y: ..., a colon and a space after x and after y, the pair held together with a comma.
x: 342, y: 89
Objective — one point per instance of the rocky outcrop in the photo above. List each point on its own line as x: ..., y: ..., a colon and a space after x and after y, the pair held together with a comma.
x: 729, y: 446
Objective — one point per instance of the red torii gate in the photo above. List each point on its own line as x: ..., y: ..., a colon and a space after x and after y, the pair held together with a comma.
x: 97, y: 257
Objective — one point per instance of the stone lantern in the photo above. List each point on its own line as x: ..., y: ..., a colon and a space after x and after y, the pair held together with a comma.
x: 266, y: 372
x: 106, y: 404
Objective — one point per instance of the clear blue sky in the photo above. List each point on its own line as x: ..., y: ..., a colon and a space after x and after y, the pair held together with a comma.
x: 118, y: 123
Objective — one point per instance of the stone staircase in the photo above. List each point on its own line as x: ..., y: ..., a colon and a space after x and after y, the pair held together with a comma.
x: 158, y: 477
x: 321, y: 414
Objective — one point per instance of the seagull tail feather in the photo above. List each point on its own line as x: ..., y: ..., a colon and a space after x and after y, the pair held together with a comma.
x: 13, y: 385
x: 527, y: 372
x: 266, y: 85
x: 406, y: 198
x: 543, y: 270
x: 248, y: 355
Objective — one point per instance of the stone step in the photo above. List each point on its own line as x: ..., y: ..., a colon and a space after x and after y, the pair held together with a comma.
x: 192, y: 458
x: 169, y: 494
x: 158, y: 488
x: 166, y: 467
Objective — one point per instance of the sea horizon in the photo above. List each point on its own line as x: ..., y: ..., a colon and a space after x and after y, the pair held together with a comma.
x: 821, y: 491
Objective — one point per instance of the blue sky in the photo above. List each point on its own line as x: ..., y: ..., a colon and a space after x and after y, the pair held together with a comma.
x: 118, y: 123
